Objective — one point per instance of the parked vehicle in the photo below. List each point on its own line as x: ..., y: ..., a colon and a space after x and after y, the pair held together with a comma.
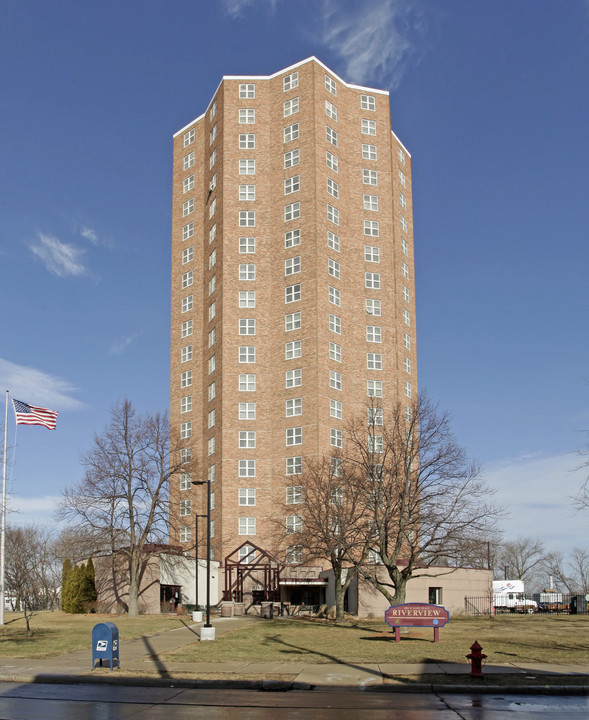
x: 508, y: 596
x: 552, y: 602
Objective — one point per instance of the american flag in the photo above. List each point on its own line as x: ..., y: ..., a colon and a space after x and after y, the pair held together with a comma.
x: 31, y: 415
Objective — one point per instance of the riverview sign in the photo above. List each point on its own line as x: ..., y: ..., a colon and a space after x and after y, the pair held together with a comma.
x: 416, y: 615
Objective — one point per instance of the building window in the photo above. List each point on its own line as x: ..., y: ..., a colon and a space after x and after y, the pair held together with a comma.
x: 188, y: 183
x: 189, y: 160
x: 212, y: 159
x: 408, y: 389
x: 247, y: 272
x: 292, y: 158
x: 247, y: 91
x: 212, y: 284
x: 407, y: 365
x: 213, y: 134
x: 211, y: 473
x: 368, y: 127
x: 186, y: 430
x: 375, y: 416
x: 403, y: 201
x: 372, y: 280
x: 335, y: 409
x: 292, y: 211
x: 247, y: 167
x: 247, y: 245
x: 211, y: 419
x: 332, y: 188
x: 186, y: 379
x: 247, y: 218
x: 406, y: 317
x: 247, y: 116
x: 247, y: 468
x: 247, y: 141
x: 294, y: 407
x: 292, y: 293
x: 187, y: 255
x: 373, y: 307
x: 185, y: 481
x: 331, y: 161
x: 405, y: 293
x: 291, y: 132
x: 333, y: 268
x: 247, y: 411
x: 294, y: 378
x: 187, y: 303
x: 335, y: 296
x: 292, y: 238
x: 188, y: 231
x: 374, y: 388
x: 212, y: 336
x: 402, y: 178
x: 375, y: 444
x: 331, y: 135
x: 371, y: 202
x: 185, y: 507
x: 186, y: 353
x: 335, y: 380
x: 292, y: 321
x: 247, y: 496
x: 247, y: 299
x: 291, y: 107
x: 335, y: 324
x: 212, y: 310
x: 212, y: 233
x: 212, y: 259
x: 247, y: 192
x: 369, y: 177
x: 401, y: 156
x: 373, y: 334
x: 333, y: 214
x: 212, y: 391
x: 212, y: 364
x: 294, y: 524
x: 292, y: 265
x: 294, y: 466
x: 371, y: 227
x: 335, y: 352
x: 292, y: 184
x: 247, y: 326
x: 333, y: 241
x: 330, y: 110
x: 330, y: 85
x: 404, y: 225
x: 369, y: 152
x: 336, y: 437
x: 367, y: 102
x: 247, y: 354
x: 292, y: 350
x: 211, y: 446
x: 404, y: 246
x: 186, y: 328
x: 189, y: 137
x: 371, y: 254
x: 374, y: 361
x: 294, y: 436
x: 290, y: 81
x: 247, y: 383
x: 188, y: 207
x: 406, y: 341
x: 187, y: 279
x: 247, y: 526
x: 294, y: 493
x: 185, y: 534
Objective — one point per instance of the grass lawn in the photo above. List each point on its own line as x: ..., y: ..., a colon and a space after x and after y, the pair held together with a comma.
x: 505, y: 639
x: 56, y: 633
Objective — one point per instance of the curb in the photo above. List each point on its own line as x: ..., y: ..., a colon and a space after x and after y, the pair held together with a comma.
x: 287, y: 686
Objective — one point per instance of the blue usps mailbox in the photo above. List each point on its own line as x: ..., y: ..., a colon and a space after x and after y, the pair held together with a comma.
x: 105, y: 644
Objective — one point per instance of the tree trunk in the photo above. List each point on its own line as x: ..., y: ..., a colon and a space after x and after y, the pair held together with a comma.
x: 133, y: 603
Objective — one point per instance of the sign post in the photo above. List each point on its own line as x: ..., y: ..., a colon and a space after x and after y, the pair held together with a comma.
x: 416, y: 615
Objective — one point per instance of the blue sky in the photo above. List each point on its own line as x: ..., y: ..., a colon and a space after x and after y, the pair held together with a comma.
x: 491, y: 99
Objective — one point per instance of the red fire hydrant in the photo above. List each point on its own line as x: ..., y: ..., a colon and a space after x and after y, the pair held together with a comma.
x: 476, y: 658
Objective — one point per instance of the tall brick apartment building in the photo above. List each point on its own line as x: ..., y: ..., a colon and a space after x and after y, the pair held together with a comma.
x: 293, y: 301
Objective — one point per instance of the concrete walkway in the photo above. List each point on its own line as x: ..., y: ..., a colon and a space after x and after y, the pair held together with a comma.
x: 142, y: 663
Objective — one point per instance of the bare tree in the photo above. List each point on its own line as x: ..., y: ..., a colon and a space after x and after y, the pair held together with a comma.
x: 571, y: 573
x: 330, y: 521
x: 425, y: 500
x: 32, y: 575
x: 519, y: 559
x: 122, y: 501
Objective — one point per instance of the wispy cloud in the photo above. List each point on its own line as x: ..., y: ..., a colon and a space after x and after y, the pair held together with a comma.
x: 92, y: 235
x: 374, y: 38
x: 536, y: 492
x: 61, y: 259
x: 119, y: 347
x: 234, y: 8
x: 37, y: 387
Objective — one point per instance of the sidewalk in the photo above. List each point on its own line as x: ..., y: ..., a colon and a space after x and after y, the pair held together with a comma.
x: 142, y: 663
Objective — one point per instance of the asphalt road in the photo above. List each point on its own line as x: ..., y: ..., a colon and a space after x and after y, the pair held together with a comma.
x: 109, y: 702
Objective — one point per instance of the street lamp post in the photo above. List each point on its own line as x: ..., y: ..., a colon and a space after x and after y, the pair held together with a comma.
x: 197, y: 564
x: 207, y: 631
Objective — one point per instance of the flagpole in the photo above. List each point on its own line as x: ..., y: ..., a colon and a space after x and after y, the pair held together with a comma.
x: 3, y: 532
